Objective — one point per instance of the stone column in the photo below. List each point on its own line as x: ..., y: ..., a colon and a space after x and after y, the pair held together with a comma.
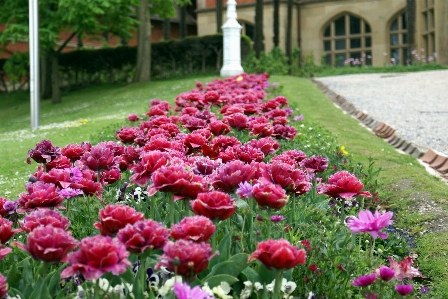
x: 232, y: 43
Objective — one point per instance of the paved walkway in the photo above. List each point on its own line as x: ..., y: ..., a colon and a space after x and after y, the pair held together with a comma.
x: 415, y: 104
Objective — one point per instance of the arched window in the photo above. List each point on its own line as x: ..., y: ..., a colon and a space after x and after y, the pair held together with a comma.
x: 399, y: 39
x: 429, y: 32
x: 348, y: 38
x: 248, y: 29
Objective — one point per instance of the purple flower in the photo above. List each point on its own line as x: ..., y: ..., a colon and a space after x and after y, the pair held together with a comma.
x: 404, y: 289
x: 70, y: 192
x: 386, y: 273
x: 297, y: 118
x: 371, y: 296
x: 370, y: 223
x: 363, y: 281
x: 184, y: 291
x: 277, y: 218
x: 424, y: 290
x: 75, y: 175
x: 10, y: 206
x: 288, y: 111
x: 244, y: 190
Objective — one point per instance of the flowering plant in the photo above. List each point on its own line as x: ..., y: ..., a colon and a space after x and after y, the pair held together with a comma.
x: 245, y: 164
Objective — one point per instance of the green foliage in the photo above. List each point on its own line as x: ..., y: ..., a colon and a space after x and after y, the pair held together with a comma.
x: 275, y: 63
x: 17, y: 67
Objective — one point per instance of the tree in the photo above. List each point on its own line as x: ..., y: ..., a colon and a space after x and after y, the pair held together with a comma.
x: 288, y: 45
x: 276, y: 4
x: 165, y: 9
x: 258, y: 37
x: 143, y: 67
x: 60, y: 16
x: 218, y: 16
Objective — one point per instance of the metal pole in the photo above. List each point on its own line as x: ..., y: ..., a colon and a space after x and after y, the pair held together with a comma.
x: 34, y: 62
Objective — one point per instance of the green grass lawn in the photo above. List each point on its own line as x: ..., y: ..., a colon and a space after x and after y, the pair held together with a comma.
x: 82, y: 115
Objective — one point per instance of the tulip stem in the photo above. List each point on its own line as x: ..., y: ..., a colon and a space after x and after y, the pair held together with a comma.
x: 278, y: 283
x: 242, y: 233
x: 171, y: 200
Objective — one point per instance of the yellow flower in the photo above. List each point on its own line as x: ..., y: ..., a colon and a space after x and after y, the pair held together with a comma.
x: 239, y: 79
x: 344, y: 152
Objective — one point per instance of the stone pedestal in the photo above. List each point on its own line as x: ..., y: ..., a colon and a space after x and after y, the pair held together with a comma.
x: 232, y: 43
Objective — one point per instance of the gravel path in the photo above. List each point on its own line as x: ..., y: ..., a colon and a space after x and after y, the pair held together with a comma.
x: 414, y: 104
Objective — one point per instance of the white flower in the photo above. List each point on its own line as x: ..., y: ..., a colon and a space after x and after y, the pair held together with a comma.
x: 311, y: 295
x: 270, y: 287
x: 103, y: 284
x: 222, y: 290
x: 258, y: 286
x: 247, y: 291
x: 169, y: 284
x: 288, y: 286
x: 207, y: 289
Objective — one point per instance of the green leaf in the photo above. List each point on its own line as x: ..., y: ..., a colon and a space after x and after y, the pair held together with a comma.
x: 232, y: 267
x: 216, y: 280
x: 251, y: 275
x: 241, y: 204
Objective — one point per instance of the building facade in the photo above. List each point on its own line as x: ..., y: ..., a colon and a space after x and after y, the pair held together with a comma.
x: 368, y: 32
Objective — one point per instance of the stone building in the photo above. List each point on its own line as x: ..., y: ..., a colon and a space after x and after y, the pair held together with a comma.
x: 371, y: 32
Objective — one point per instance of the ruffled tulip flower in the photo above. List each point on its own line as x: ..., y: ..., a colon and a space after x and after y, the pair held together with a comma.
x: 314, y: 164
x: 40, y: 195
x: 48, y: 244
x: 133, y: 117
x: 291, y: 157
x: 404, y: 290
x: 6, y: 231
x: 214, y: 205
x: 3, y: 212
x: 403, y: 269
x: 128, y: 135
x: 142, y: 235
x: 267, y: 145
x: 237, y: 121
x: 229, y: 175
x: 364, y: 281
x: 110, y: 176
x: 269, y: 195
x: 44, y: 152
x: 372, y: 296
x: 285, y: 132
x: 291, y: 179
x: 96, y: 256
x: 195, y: 228
x: 3, y: 286
x: 278, y: 254
x: 115, y: 217
x: 343, y: 184
x: 178, y: 180
x: 366, y: 222
x: 218, y: 128
x: 149, y: 162
x: 58, y: 163
x: 205, y: 166
x: 44, y: 217
x: 99, y: 157
x: 186, y: 258
x: 75, y: 151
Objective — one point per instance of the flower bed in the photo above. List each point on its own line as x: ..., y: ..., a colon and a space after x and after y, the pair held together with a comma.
x: 226, y: 194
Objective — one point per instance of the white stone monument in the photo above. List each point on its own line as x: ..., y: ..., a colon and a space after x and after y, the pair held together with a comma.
x: 232, y: 43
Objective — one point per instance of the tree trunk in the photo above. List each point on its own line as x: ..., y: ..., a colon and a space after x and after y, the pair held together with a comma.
x: 166, y: 29
x: 143, y: 68
x: 410, y: 12
x: 218, y: 16
x: 275, y: 18
x: 258, y: 38
x: 183, y: 22
x: 55, y: 85
x: 45, y: 75
x: 288, y: 45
